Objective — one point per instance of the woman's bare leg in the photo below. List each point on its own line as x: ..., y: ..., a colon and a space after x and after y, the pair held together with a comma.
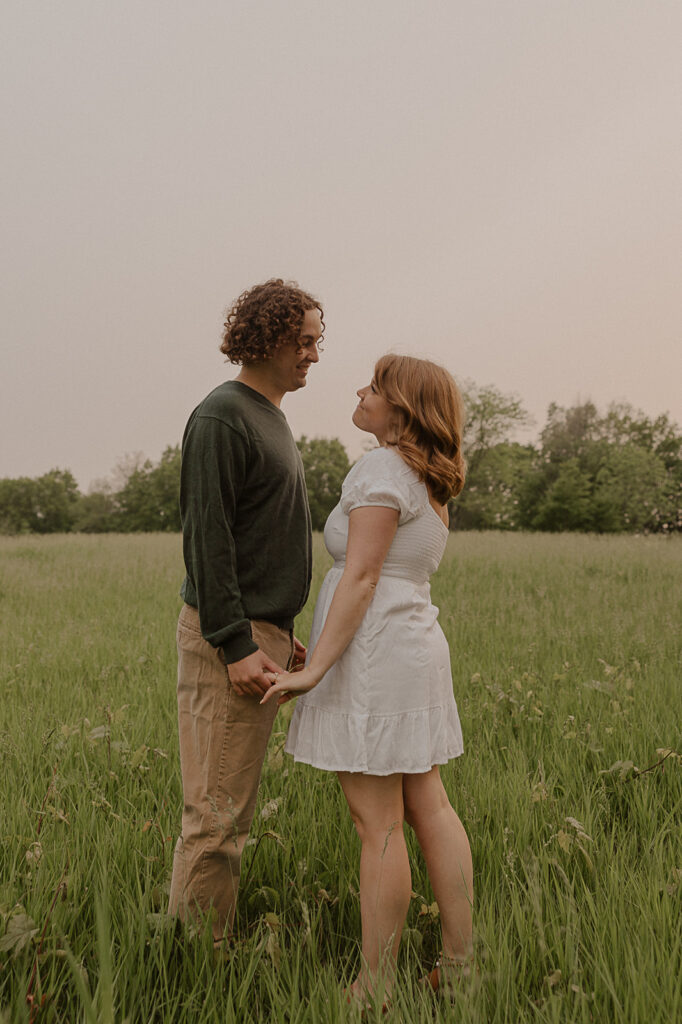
x: 445, y: 846
x: 376, y: 806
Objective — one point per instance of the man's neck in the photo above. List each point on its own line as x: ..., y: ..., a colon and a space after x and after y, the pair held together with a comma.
x: 259, y: 379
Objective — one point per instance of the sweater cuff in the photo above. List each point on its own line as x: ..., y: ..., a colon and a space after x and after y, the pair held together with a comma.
x: 238, y: 647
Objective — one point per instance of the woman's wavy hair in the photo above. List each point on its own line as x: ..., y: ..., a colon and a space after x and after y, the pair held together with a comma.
x: 264, y: 318
x: 430, y: 420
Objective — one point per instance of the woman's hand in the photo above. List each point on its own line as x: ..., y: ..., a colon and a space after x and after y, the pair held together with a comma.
x: 298, y: 660
x: 288, y: 684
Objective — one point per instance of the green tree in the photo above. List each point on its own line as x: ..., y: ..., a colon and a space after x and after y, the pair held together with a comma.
x: 44, y: 504
x: 326, y: 464
x: 166, y: 486
x: 491, y: 499
x: 96, y: 513
x: 149, y: 499
x: 632, y: 490
x: 16, y: 503
x: 566, y: 504
x: 625, y: 425
x: 491, y: 417
x: 56, y: 500
x: 620, y: 471
x: 568, y: 432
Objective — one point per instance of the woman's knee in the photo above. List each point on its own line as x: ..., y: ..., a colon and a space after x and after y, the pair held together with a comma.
x: 378, y: 829
x: 375, y: 804
x: 424, y: 798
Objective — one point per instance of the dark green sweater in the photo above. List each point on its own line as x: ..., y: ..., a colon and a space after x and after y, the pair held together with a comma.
x: 245, y: 518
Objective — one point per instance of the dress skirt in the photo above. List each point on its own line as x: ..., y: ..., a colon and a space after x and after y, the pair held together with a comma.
x: 387, y: 705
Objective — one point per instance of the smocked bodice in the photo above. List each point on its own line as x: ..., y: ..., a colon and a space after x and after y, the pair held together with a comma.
x: 416, y: 550
x: 382, y: 478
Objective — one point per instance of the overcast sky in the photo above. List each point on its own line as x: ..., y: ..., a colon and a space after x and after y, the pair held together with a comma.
x: 496, y: 185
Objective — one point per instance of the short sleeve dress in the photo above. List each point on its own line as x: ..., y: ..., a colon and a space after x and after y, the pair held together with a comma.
x: 387, y: 704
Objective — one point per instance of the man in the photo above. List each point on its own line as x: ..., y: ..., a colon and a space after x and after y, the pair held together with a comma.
x: 247, y: 548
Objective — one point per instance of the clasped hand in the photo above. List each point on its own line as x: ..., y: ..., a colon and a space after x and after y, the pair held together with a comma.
x: 252, y: 676
x: 289, y: 684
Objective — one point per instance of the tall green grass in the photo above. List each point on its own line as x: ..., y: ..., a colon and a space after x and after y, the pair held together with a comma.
x: 566, y: 667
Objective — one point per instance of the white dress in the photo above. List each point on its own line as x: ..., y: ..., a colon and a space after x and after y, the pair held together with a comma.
x: 387, y: 704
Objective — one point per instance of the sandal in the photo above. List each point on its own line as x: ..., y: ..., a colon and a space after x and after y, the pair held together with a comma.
x: 447, y: 974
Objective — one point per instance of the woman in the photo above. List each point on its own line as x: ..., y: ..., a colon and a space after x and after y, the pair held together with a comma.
x: 381, y: 711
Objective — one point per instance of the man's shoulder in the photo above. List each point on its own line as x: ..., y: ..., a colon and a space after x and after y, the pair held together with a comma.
x: 231, y: 404
x: 220, y: 410
x: 224, y: 401
x: 241, y: 411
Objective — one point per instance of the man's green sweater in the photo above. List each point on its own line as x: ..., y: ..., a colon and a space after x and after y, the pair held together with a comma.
x: 245, y: 518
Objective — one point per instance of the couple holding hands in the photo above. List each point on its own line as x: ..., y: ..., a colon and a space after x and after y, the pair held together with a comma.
x: 376, y: 703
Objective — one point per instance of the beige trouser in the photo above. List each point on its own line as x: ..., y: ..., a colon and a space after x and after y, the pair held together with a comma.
x: 223, y: 738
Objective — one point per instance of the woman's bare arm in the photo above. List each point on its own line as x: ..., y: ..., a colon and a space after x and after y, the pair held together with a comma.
x: 370, y: 534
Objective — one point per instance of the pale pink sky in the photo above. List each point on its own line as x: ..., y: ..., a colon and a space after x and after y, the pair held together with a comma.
x: 494, y: 185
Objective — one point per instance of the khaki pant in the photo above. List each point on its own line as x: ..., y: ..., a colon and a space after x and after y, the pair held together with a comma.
x: 223, y: 738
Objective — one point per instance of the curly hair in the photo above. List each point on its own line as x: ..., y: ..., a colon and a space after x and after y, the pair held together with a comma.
x: 431, y: 420
x: 263, y: 319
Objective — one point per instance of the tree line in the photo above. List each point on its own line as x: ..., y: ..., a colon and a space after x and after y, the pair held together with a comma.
x: 618, y: 471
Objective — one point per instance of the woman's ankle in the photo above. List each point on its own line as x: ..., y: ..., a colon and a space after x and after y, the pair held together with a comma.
x: 456, y: 956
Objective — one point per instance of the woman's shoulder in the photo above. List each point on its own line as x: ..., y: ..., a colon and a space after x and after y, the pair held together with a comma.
x: 382, y: 477
x: 384, y: 461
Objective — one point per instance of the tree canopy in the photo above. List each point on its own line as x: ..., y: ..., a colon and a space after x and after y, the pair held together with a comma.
x: 326, y: 464
x: 43, y: 504
x: 491, y: 417
x: 618, y: 471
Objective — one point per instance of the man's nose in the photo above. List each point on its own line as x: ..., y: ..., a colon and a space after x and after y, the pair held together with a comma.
x: 313, y: 354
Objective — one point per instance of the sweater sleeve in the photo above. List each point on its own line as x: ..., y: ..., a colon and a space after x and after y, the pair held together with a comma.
x: 214, y: 461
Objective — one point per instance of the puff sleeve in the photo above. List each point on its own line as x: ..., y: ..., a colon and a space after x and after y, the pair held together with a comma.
x: 381, y: 478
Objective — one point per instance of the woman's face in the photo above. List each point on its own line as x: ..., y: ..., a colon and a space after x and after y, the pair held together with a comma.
x: 374, y: 414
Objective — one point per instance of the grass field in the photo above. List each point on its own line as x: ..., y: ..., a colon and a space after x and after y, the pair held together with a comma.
x: 566, y: 666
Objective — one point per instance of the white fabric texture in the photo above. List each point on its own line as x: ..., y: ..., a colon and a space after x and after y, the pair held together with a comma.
x: 387, y: 704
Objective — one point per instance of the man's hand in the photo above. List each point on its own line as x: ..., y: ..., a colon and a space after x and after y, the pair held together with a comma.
x: 252, y: 676
x: 298, y: 660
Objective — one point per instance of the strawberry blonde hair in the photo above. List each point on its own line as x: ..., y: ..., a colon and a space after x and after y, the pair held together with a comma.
x: 430, y: 420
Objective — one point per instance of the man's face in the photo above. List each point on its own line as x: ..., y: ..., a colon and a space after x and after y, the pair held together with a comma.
x: 291, y: 362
